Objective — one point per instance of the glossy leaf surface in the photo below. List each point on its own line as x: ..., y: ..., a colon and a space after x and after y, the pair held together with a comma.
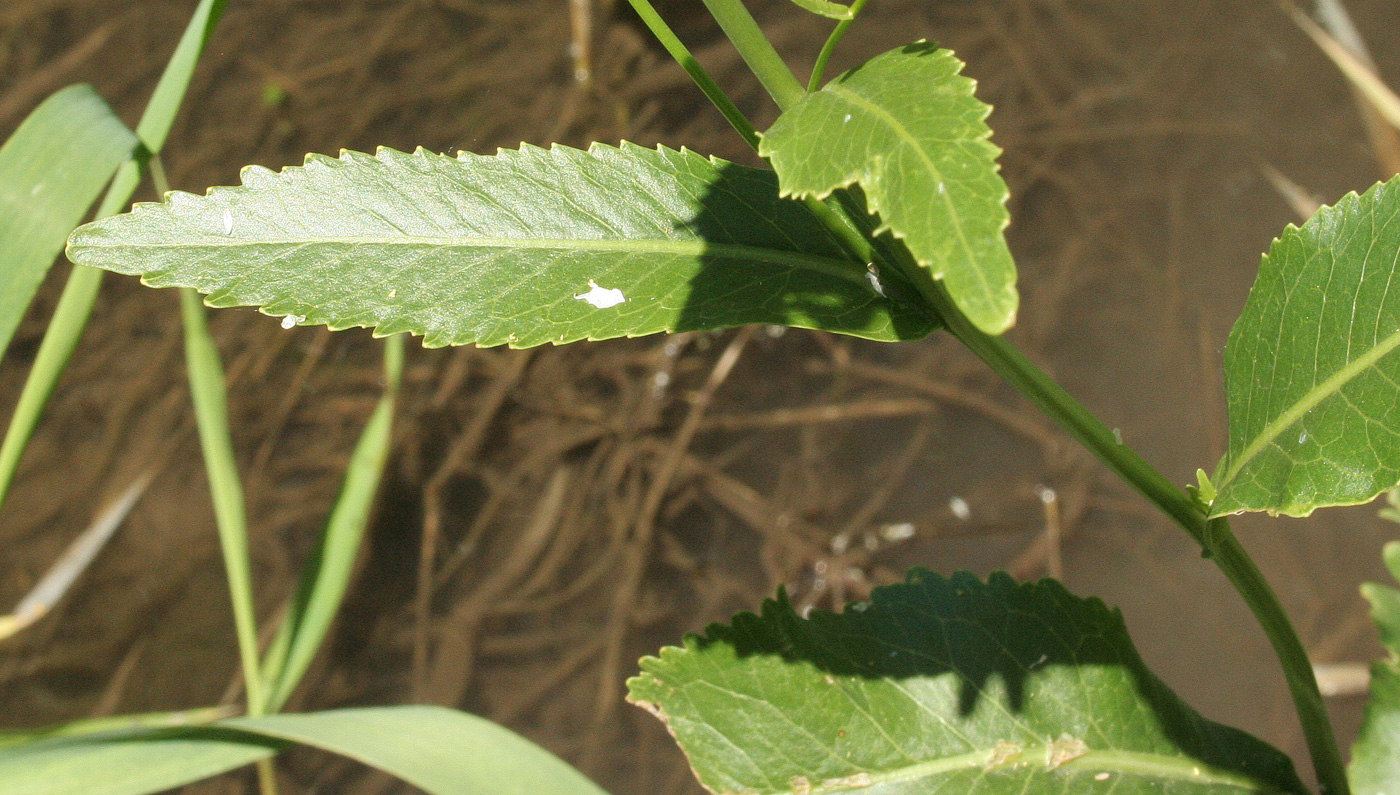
x: 907, y: 128
x: 1375, y: 757
x: 51, y: 170
x: 440, y: 751
x: 523, y: 247
x: 1311, y: 374
x: 942, y: 685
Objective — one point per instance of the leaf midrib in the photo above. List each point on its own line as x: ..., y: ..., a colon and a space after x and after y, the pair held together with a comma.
x: 1033, y: 759
x: 1332, y: 385
x: 832, y: 266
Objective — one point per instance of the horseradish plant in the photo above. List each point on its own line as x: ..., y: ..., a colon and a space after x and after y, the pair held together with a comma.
x: 882, y: 218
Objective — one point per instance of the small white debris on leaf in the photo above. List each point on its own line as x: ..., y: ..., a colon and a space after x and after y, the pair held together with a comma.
x: 228, y: 222
x: 1101, y: 776
x: 853, y: 781
x: 1003, y: 754
x: 1065, y: 749
x: 292, y: 320
x: 600, y: 297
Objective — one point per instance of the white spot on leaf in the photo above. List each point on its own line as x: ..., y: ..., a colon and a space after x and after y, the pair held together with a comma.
x: 848, y: 118
x: 228, y: 222
x: 601, y: 297
x: 292, y: 320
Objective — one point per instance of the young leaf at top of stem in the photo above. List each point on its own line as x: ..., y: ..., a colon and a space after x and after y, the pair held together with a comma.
x: 826, y: 8
x: 1375, y: 757
x: 523, y: 247
x: 1312, y: 379
x: 908, y: 129
x: 942, y: 685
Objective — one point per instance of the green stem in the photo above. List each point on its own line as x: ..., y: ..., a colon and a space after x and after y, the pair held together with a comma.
x: 1051, y: 398
x: 206, y: 376
x: 853, y: 227
x: 1213, y: 535
x: 692, y: 67
x: 815, y: 81
x: 770, y: 69
x: 1232, y: 559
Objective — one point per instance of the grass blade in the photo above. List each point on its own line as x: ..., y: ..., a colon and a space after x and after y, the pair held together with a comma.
x: 71, y: 315
x: 51, y: 171
x: 440, y: 751
x: 211, y: 414
x: 327, y: 573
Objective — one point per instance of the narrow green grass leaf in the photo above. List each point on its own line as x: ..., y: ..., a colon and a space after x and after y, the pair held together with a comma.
x: 80, y: 293
x: 1311, y: 375
x: 524, y: 247
x: 1375, y: 757
x: 206, y: 377
x: 126, y: 763
x: 326, y: 575
x: 441, y: 751
x: 942, y: 685
x: 907, y: 128
x: 51, y: 171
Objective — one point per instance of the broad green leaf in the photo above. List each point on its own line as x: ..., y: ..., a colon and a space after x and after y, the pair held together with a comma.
x: 524, y: 247
x: 1375, y: 757
x: 942, y: 685
x: 51, y: 170
x: 906, y: 127
x: 1311, y: 377
x: 441, y: 751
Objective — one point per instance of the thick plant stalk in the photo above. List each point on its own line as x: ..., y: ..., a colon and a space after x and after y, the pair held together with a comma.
x: 770, y: 69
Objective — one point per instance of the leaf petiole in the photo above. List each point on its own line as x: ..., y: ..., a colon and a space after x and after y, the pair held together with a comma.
x: 815, y: 81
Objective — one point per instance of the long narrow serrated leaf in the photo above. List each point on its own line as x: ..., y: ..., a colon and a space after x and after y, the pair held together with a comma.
x: 1375, y: 757
x: 942, y: 685
x: 907, y: 128
x: 441, y: 751
x: 524, y: 247
x: 1311, y: 377
x: 51, y: 170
